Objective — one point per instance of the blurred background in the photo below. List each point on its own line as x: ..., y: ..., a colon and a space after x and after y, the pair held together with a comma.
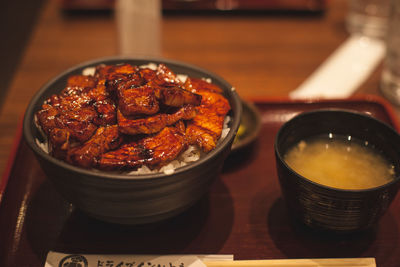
x: 80, y: 24
x: 17, y: 22
x: 265, y: 48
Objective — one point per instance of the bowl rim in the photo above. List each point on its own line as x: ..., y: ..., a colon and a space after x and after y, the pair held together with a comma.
x: 334, y: 110
x: 249, y: 109
x: 234, y: 123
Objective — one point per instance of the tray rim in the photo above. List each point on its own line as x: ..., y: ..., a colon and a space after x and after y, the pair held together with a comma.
x: 256, y: 100
x: 11, y: 159
x: 387, y: 106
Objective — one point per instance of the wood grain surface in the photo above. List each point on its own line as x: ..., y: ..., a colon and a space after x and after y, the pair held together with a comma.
x: 261, y: 56
x: 243, y: 214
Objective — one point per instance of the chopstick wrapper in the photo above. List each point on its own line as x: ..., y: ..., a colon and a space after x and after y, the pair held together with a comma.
x: 344, y: 70
x: 340, y: 262
x: 56, y: 259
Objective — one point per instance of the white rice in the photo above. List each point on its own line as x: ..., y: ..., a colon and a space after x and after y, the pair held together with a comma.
x: 90, y: 71
x: 191, y: 154
x: 44, y: 146
x: 182, y: 77
x: 151, y: 65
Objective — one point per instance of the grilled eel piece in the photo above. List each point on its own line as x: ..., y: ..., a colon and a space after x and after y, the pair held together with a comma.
x: 155, y: 123
x: 152, y: 151
x: 65, y: 121
x: 87, y: 122
x: 74, y: 115
x: 106, y: 138
x: 142, y: 91
x: 205, y: 128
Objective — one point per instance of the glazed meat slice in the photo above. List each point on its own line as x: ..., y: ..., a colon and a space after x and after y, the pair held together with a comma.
x: 97, y: 93
x: 45, y: 118
x: 103, y: 104
x: 171, y: 92
x: 206, y: 127
x: 145, y: 99
x: 77, y: 100
x: 177, y: 97
x: 65, y: 129
x: 107, y: 112
x: 161, y: 75
x: 72, y: 98
x: 165, y: 77
x: 97, y: 97
x: 59, y: 140
x: 140, y: 92
x: 140, y: 100
x: 117, y: 81
x: 105, y: 139
x: 155, y: 123
x: 126, y: 75
x: 78, y: 122
x: 82, y: 81
x: 104, y: 71
x: 147, y: 74
x: 67, y: 119
x: 124, y: 116
x: 197, y: 85
x: 153, y: 151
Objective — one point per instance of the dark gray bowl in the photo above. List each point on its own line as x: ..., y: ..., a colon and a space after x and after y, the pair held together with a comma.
x: 127, y: 199
x: 325, y: 208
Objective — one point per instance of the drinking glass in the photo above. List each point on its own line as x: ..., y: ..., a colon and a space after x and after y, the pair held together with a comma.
x: 139, y: 27
x: 390, y: 80
x: 368, y: 17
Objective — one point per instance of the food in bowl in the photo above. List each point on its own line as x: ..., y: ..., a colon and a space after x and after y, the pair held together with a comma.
x: 120, y: 197
x: 340, y: 161
x: 330, y: 208
x: 124, y: 117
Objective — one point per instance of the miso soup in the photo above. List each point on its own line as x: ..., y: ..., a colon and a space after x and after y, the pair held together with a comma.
x: 340, y: 162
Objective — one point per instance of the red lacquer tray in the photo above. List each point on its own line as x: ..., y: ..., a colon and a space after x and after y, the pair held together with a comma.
x: 243, y: 214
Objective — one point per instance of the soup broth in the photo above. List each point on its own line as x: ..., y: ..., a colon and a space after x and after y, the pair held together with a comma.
x: 340, y: 162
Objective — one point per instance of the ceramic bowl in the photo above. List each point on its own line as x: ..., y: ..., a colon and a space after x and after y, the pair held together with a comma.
x: 132, y: 199
x: 250, y: 126
x: 331, y: 209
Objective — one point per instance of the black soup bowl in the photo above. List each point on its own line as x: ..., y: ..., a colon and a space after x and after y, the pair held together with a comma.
x: 132, y: 199
x: 331, y: 209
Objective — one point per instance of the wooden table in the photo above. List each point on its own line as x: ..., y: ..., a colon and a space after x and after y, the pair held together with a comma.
x: 261, y: 56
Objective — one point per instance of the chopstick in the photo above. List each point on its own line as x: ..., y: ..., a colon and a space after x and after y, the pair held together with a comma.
x: 339, y: 262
